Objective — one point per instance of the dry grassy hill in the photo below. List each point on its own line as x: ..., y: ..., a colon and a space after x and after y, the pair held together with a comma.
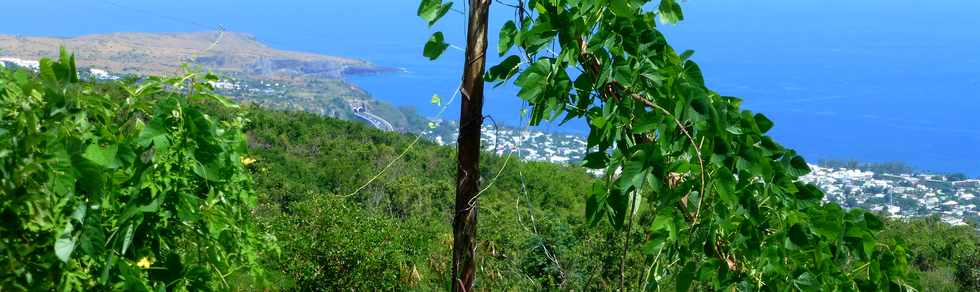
x: 163, y: 53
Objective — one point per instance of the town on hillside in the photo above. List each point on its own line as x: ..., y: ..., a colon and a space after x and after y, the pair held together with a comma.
x: 897, y: 193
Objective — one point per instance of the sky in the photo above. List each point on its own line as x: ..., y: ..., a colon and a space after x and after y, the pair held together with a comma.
x: 870, y: 80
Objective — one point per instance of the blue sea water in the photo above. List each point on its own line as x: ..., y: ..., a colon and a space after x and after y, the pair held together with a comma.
x: 874, y: 80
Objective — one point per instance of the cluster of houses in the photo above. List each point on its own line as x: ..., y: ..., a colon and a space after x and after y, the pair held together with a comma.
x: 532, y: 145
x: 98, y: 74
x: 900, y: 195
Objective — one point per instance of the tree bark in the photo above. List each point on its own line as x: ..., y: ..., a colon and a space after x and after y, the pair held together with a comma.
x: 468, y: 148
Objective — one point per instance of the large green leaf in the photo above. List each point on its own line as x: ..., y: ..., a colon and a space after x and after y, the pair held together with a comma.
x: 221, y: 99
x: 670, y: 11
x: 798, y: 235
x: 92, y: 239
x: 211, y: 171
x: 596, y: 160
x: 686, y: 276
x: 874, y: 223
x: 47, y: 70
x: 808, y: 192
x: 829, y: 222
x: 538, y: 37
x: 724, y: 185
x: 104, y: 156
x: 65, y: 243
x: 693, y: 72
x: 534, y: 80
x: 621, y: 7
x: 508, y: 33
x: 435, y: 46
x: 763, y: 122
x: 618, y: 203
x: 798, y: 166
x: 595, y: 206
x: 432, y: 10
x: 505, y: 70
x: 633, y: 175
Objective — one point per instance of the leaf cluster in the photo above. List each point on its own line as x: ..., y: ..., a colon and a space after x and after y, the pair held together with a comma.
x: 128, y: 186
x: 717, y: 200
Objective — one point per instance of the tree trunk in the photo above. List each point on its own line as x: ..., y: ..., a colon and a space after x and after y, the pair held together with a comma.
x: 468, y: 147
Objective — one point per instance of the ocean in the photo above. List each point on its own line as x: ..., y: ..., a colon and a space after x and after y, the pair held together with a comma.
x: 874, y: 80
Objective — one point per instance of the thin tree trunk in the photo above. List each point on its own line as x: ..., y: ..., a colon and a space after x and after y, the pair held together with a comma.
x: 626, y: 245
x: 468, y: 147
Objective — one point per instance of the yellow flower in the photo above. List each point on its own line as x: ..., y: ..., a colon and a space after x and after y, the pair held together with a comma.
x: 247, y: 161
x: 144, y: 263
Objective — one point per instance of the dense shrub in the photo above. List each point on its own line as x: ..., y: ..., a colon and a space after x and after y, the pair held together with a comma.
x: 398, y: 227
x: 308, y: 168
x: 332, y: 245
x: 947, y: 258
x: 119, y: 186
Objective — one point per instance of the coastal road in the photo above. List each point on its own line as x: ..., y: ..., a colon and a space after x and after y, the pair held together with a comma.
x: 360, y: 110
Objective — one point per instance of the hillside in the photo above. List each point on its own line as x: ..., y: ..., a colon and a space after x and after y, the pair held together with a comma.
x: 163, y: 53
x: 300, y: 181
x: 251, y: 71
x: 533, y: 230
x: 395, y: 231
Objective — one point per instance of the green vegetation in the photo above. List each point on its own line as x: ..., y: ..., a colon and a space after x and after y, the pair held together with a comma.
x: 159, y: 184
x: 68, y: 202
x: 714, y: 201
x: 395, y: 234
x: 121, y: 187
x: 947, y: 258
x: 396, y: 231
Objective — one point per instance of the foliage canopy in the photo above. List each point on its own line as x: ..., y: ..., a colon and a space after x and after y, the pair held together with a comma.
x: 126, y: 186
x: 717, y: 200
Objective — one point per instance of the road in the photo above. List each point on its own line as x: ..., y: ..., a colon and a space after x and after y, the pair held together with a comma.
x: 362, y: 112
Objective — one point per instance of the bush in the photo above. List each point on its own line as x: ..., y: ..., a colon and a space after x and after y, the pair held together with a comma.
x: 332, y: 245
x: 119, y: 186
x: 946, y: 257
